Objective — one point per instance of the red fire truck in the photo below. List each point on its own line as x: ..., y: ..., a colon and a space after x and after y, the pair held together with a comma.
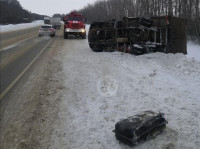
x: 74, y: 25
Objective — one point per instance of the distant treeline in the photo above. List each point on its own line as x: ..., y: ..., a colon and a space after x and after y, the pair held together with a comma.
x: 11, y: 12
x: 116, y: 9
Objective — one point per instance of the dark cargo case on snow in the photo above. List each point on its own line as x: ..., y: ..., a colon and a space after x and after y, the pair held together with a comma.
x: 139, y: 128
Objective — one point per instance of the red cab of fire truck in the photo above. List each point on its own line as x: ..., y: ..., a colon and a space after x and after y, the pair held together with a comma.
x: 74, y: 25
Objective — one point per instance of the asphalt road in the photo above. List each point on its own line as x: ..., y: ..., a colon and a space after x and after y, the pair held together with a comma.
x: 19, y: 49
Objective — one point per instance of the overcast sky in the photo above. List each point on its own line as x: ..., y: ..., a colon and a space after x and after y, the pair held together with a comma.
x: 50, y: 7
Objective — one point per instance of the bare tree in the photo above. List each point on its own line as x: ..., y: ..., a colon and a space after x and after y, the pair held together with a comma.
x: 116, y: 9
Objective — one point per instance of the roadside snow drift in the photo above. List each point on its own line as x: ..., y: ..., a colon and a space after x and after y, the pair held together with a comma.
x: 193, y: 51
x: 12, y: 27
x: 102, y: 88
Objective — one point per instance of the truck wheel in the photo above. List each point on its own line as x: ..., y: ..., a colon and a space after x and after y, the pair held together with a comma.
x: 84, y: 36
x: 96, y: 48
x: 138, y: 51
x: 65, y: 35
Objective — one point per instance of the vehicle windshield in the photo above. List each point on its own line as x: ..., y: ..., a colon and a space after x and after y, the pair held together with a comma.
x: 45, y: 26
x: 74, y: 19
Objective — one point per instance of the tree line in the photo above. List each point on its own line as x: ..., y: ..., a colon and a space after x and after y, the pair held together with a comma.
x: 103, y: 10
x: 11, y: 12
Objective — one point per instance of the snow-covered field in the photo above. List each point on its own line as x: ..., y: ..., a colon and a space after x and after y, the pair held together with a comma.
x: 193, y: 50
x: 102, y: 88
x: 12, y: 27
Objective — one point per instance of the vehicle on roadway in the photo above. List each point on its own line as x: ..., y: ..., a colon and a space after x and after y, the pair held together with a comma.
x: 47, y: 30
x: 47, y: 20
x: 74, y: 25
x: 56, y: 23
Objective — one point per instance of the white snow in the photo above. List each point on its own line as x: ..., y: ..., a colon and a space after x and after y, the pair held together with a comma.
x: 11, y: 27
x: 102, y: 88
x: 137, y: 46
x: 193, y: 50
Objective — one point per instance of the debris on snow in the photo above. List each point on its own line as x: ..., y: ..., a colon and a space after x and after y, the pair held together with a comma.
x: 139, y: 128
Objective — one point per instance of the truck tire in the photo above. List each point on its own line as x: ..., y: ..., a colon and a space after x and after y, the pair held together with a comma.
x: 96, y: 48
x: 65, y: 35
x: 138, y: 51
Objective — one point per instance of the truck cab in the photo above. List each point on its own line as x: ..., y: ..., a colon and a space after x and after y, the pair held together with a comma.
x: 47, y: 20
x: 74, y: 25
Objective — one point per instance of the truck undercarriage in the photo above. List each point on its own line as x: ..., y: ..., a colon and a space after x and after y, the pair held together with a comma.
x: 139, y: 35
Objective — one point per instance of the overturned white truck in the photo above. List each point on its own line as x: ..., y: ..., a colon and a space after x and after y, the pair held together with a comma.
x: 139, y: 35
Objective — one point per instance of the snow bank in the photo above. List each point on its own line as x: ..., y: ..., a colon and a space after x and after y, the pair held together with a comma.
x: 193, y: 50
x: 11, y: 27
x: 102, y: 88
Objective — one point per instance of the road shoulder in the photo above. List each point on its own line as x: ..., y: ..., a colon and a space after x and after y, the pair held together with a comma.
x: 31, y: 107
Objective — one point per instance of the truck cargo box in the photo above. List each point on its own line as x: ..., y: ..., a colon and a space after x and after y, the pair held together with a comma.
x: 177, y: 36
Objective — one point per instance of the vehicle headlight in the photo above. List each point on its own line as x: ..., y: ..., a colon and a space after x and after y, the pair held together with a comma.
x: 83, y: 30
x: 67, y: 30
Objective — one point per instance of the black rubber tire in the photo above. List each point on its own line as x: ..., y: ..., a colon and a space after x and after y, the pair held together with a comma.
x: 65, y: 35
x: 98, y: 48
x: 137, y: 51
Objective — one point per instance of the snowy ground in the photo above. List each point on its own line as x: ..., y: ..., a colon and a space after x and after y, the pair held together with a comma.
x: 102, y: 88
x: 193, y: 50
x: 74, y: 100
x: 11, y: 27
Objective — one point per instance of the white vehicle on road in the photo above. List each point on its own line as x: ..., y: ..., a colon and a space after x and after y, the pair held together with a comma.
x: 47, y: 30
x: 56, y: 23
x: 47, y: 20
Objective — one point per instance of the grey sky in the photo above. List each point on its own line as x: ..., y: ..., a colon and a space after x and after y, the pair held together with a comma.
x: 50, y: 7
